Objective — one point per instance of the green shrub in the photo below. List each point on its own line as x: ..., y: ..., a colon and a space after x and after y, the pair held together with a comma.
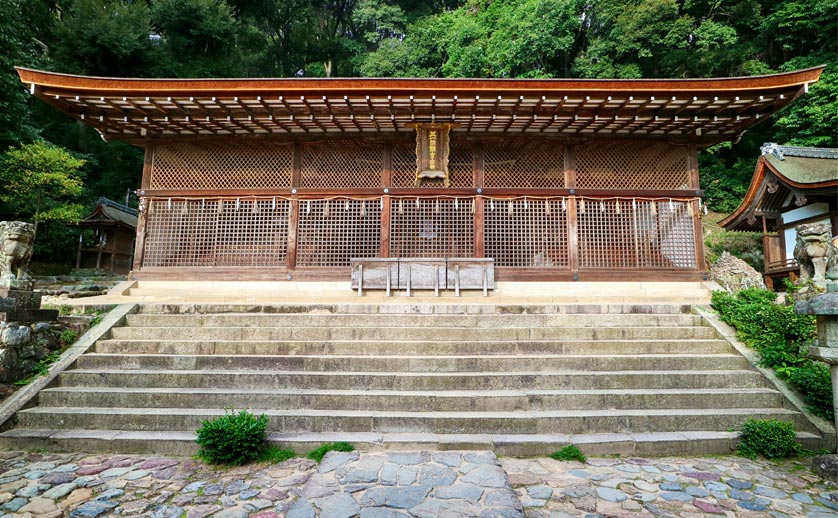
x: 569, y: 452
x: 768, y: 438
x: 276, y: 454
x: 813, y: 380
x: 318, y: 453
x: 232, y: 438
x: 68, y: 337
x: 41, y: 368
x: 779, y: 335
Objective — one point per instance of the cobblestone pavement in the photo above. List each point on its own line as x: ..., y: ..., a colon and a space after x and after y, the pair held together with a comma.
x: 670, y: 487
x: 409, y: 484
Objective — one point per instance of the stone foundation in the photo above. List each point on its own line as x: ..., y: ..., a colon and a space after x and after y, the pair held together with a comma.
x: 27, y: 332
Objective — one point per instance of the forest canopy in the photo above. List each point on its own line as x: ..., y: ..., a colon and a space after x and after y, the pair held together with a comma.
x: 411, y: 38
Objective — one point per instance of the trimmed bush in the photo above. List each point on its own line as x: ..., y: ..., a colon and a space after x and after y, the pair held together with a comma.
x: 318, y: 453
x: 779, y: 335
x: 232, y: 438
x: 768, y: 438
x: 568, y: 453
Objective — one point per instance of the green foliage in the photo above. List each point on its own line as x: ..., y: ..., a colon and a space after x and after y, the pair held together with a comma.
x: 768, y: 438
x: 568, y: 453
x: 232, y: 438
x: 318, y: 453
x: 67, y: 337
x: 41, y: 368
x: 105, y: 38
x: 41, y: 182
x: 744, y: 245
x: 778, y: 334
x: 275, y: 454
x: 813, y: 380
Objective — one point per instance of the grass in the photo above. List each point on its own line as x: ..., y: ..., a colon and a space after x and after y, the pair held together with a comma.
x: 318, y: 453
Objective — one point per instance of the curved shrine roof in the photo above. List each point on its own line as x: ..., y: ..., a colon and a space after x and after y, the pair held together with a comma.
x: 703, y: 111
x: 782, y: 171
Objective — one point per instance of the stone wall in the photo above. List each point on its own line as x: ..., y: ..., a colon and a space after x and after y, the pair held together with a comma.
x: 23, y: 345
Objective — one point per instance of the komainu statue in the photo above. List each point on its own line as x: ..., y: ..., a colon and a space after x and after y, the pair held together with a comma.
x: 16, y: 240
x: 815, y: 252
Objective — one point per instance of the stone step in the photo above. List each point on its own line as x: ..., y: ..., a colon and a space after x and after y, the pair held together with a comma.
x: 275, y: 379
x: 368, y: 363
x: 482, y: 307
x: 640, y: 444
x: 443, y: 401
x: 308, y: 420
x: 435, y: 321
x: 409, y: 333
x: 439, y: 347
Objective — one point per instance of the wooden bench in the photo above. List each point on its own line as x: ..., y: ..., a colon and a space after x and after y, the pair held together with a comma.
x: 427, y: 273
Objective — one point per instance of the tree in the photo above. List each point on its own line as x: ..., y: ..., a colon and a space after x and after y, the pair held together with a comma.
x: 104, y: 38
x: 16, y: 49
x: 41, y: 182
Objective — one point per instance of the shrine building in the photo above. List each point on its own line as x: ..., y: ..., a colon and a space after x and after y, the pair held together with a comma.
x: 551, y: 180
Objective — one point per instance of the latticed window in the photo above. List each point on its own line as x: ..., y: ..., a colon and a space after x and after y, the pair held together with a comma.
x: 342, y: 164
x: 631, y: 165
x: 188, y: 233
x: 204, y: 165
x: 524, y: 165
x: 432, y: 227
x: 642, y: 234
x: 331, y: 232
x: 526, y: 233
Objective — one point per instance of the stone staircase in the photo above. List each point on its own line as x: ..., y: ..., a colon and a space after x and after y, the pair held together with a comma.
x: 650, y: 379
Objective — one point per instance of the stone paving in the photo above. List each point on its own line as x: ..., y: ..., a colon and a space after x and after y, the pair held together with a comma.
x: 670, y: 487
x: 409, y: 484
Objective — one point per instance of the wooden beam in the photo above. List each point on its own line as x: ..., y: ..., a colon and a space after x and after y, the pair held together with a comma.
x: 386, y: 210
x: 293, y: 221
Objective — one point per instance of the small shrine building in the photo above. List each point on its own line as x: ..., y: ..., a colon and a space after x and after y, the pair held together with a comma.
x: 106, y: 240
x: 791, y: 186
x: 275, y: 179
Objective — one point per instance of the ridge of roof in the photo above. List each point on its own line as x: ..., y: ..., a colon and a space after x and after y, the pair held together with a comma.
x: 119, y: 206
x: 770, y: 148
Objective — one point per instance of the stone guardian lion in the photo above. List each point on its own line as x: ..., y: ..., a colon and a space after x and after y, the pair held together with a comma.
x: 815, y: 252
x: 16, y: 239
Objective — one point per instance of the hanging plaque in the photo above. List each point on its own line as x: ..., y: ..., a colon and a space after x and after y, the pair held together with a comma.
x: 432, y: 154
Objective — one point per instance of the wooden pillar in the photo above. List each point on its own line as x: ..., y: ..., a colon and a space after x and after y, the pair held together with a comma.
x: 387, y: 166
x: 478, y: 165
x: 294, y: 216
x: 569, y: 167
x: 695, y: 184
x: 478, y: 180
x: 78, y: 253
x: 387, y: 202
x: 293, y: 219
x: 699, y: 235
x: 385, y: 226
x: 572, y: 236
x: 479, y: 234
x: 572, y: 221
x: 145, y: 206
x: 692, y: 167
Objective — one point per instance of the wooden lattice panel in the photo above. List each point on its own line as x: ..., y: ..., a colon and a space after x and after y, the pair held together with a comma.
x: 631, y: 165
x: 230, y: 233
x: 524, y: 165
x: 526, y: 233
x: 432, y: 227
x: 460, y: 165
x: 209, y: 165
x: 341, y: 164
x: 635, y: 234
x: 331, y: 232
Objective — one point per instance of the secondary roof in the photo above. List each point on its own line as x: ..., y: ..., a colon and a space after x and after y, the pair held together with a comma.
x: 705, y: 111
x: 783, y: 178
